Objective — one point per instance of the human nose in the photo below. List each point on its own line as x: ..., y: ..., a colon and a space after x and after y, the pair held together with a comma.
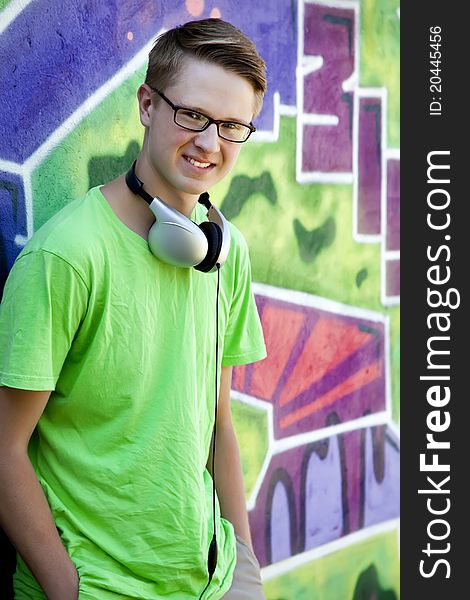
x: 208, y: 140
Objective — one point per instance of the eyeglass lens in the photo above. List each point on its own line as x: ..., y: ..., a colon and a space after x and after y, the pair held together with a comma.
x: 194, y: 121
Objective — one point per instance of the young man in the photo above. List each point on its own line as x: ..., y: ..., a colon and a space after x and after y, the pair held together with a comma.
x: 108, y: 360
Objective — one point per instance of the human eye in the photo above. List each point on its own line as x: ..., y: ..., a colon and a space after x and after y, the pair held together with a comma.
x: 230, y: 126
x: 192, y: 115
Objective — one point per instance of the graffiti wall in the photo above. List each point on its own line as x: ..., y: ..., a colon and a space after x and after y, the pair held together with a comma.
x: 316, y: 194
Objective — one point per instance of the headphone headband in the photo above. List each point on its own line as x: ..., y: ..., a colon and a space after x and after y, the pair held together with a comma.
x: 136, y: 185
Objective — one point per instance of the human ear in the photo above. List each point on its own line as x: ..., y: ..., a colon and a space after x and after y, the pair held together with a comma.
x: 144, y: 96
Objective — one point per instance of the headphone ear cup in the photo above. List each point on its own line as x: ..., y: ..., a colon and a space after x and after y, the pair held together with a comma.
x: 214, y: 236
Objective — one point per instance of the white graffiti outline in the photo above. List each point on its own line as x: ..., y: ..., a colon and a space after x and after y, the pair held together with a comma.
x: 11, y: 11
x: 387, y: 255
x: 297, y: 560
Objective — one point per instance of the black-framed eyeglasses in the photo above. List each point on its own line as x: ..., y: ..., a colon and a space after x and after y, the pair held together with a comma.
x: 187, y: 118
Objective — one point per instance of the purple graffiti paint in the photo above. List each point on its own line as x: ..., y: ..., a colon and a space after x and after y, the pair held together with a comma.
x: 393, y: 204
x: 285, y: 468
x: 364, y: 396
x: 382, y: 498
x: 358, y: 376
x: 352, y: 478
x: 353, y: 382
x: 310, y: 496
x: 348, y: 407
x: 12, y: 220
x: 327, y: 148
x: 370, y: 171
x: 273, y: 28
x: 280, y: 525
x: 392, y: 277
x: 328, y: 33
x: 323, y: 502
x: 56, y: 54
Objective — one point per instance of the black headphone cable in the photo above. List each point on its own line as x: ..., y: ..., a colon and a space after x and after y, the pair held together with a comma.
x: 212, y: 554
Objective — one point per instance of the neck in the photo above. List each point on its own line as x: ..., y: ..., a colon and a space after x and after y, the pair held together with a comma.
x: 153, y: 185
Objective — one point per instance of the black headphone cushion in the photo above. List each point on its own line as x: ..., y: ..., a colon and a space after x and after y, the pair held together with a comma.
x: 214, y: 236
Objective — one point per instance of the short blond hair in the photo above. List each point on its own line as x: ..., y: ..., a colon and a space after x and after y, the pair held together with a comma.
x: 211, y: 40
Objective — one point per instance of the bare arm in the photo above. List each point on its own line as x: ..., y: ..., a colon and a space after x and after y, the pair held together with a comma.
x: 228, y: 469
x: 24, y: 512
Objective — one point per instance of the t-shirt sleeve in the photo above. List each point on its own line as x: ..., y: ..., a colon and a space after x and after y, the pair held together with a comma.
x: 44, y: 302
x: 243, y: 341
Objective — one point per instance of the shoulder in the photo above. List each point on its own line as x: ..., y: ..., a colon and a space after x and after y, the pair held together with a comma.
x: 73, y: 235
x: 237, y: 236
x: 239, y: 252
x: 236, y: 272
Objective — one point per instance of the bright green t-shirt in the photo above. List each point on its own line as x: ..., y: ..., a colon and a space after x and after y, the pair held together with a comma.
x: 127, y: 344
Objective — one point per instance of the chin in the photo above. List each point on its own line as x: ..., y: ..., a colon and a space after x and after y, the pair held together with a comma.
x: 196, y: 188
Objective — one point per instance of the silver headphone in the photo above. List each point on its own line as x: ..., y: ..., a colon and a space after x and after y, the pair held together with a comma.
x: 177, y: 240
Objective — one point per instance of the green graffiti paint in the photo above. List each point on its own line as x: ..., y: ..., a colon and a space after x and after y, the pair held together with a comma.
x: 274, y: 247
x: 368, y: 587
x: 251, y: 427
x: 336, y: 575
x: 106, y: 168
x: 380, y: 29
x: 63, y: 173
x: 312, y: 242
x: 242, y: 188
x: 361, y: 276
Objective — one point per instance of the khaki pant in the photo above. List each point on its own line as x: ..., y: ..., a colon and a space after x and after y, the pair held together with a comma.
x: 246, y: 584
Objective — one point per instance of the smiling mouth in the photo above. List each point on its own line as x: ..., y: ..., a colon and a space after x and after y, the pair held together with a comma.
x: 196, y: 163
